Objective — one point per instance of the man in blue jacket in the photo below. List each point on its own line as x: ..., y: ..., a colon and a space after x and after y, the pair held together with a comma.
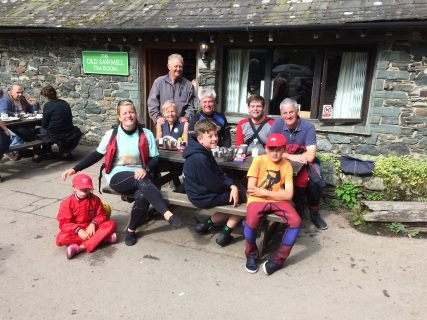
x: 15, y: 102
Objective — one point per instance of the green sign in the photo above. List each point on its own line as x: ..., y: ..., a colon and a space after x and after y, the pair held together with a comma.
x: 104, y: 62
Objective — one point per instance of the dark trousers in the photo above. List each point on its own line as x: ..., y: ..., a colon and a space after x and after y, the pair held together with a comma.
x: 145, y: 193
x: 312, y: 192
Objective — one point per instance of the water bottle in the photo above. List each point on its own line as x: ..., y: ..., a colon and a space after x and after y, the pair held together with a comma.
x: 255, y: 148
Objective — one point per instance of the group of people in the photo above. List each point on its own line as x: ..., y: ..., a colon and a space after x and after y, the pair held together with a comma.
x: 56, y: 130
x: 131, y: 157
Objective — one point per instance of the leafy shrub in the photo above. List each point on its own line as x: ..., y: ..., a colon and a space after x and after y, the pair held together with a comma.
x: 396, y: 227
x: 347, y: 193
x: 404, y: 176
x: 374, y: 196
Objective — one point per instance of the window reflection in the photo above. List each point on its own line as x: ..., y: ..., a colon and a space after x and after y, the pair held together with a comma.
x: 292, y: 77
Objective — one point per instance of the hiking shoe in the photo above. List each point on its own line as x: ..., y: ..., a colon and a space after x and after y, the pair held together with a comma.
x: 318, y: 221
x: 130, y: 238
x: 112, y: 238
x: 270, y: 267
x: 14, y: 155
x: 224, y: 238
x: 251, y: 264
x: 72, y: 250
x: 203, y: 227
x: 175, y: 222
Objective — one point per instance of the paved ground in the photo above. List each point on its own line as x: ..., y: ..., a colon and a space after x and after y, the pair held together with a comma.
x: 177, y: 274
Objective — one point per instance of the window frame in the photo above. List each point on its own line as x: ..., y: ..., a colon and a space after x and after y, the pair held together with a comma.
x: 319, y: 79
x: 366, y: 88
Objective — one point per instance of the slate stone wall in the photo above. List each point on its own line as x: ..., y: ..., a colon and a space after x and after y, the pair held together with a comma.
x: 40, y: 60
x: 398, y: 108
x: 396, y: 122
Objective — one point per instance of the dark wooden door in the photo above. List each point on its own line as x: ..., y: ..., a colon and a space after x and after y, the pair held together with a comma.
x: 156, y: 60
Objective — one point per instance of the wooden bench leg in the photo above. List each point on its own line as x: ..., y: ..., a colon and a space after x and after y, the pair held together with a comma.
x: 262, y: 236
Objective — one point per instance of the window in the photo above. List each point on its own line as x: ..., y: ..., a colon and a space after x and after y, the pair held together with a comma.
x: 315, y: 77
x: 245, y: 76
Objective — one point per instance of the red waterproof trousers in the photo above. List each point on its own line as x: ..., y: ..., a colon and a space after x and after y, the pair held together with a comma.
x: 105, y: 229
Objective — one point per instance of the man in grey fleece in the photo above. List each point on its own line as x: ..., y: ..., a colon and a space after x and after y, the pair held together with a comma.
x: 175, y: 87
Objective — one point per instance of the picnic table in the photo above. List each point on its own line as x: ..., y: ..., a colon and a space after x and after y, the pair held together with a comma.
x: 176, y: 157
x: 12, y: 123
x: 178, y: 198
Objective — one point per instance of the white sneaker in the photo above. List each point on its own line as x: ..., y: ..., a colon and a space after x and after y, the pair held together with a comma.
x: 54, y: 148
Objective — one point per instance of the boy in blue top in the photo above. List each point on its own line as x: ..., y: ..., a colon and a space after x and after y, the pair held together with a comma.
x: 206, y: 184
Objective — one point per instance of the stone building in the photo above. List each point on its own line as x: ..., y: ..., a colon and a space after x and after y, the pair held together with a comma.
x: 358, y: 69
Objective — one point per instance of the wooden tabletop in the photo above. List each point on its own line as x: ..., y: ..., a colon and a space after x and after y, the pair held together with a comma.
x: 22, y: 122
x: 176, y: 156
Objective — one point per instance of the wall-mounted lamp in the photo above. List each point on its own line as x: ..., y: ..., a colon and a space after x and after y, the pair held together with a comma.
x: 250, y: 38
x: 94, y: 38
x: 315, y: 36
x: 124, y: 39
x: 173, y: 39
x: 337, y: 35
x: 190, y: 39
x: 270, y: 37
x: 212, y: 39
x: 362, y: 35
x: 230, y: 39
x: 139, y: 39
x: 156, y: 39
x: 204, y: 48
x: 109, y: 39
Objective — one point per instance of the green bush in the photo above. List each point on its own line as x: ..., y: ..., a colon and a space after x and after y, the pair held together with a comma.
x: 404, y: 176
x: 347, y: 193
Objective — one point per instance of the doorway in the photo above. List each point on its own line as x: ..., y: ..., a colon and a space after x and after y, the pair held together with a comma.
x: 156, y: 65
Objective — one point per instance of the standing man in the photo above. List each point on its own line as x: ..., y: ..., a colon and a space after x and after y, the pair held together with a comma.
x: 301, y: 140
x: 257, y: 126
x: 207, y: 104
x: 175, y: 87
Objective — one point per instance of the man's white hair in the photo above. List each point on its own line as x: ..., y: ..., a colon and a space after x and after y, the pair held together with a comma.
x: 207, y: 93
x: 288, y: 102
x: 175, y: 56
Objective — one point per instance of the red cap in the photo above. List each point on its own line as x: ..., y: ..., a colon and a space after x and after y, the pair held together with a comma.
x: 275, y: 140
x: 82, y: 181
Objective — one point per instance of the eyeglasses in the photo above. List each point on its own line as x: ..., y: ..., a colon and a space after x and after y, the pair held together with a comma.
x: 125, y: 101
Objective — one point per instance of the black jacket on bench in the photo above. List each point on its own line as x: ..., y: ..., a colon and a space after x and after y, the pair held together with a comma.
x: 203, y: 178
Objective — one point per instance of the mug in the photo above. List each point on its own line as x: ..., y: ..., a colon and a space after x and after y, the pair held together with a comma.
x: 243, y: 149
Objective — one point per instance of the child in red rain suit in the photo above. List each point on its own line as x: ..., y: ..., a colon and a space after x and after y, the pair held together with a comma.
x: 82, y: 220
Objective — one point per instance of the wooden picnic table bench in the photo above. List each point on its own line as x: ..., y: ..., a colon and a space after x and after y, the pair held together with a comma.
x: 180, y: 199
x: 23, y: 146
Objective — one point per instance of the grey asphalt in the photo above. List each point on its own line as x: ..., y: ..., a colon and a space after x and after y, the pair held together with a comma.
x: 339, y: 273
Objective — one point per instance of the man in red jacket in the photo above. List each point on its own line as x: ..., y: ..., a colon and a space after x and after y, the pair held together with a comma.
x: 257, y: 126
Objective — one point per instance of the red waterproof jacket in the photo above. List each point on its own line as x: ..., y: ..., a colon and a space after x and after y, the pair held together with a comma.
x: 75, y: 214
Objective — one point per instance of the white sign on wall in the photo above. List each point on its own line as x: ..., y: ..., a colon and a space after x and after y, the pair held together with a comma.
x: 327, y: 111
